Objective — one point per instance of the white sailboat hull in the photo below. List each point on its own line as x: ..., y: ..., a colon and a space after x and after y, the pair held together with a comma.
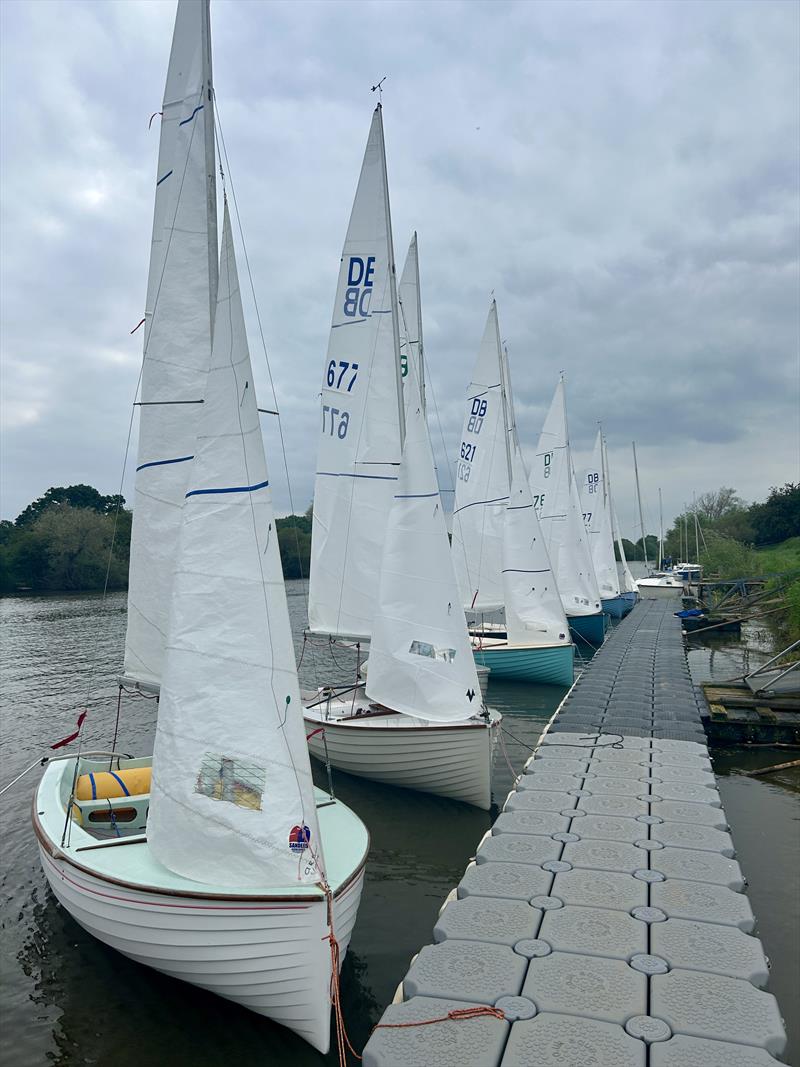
x: 267, y: 951
x: 448, y: 760
x: 271, y: 958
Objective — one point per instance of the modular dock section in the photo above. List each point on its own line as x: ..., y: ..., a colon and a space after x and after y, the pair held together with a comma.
x: 603, y: 921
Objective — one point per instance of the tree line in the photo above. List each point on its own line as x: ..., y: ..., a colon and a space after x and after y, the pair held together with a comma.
x: 75, y: 539
x: 63, y: 540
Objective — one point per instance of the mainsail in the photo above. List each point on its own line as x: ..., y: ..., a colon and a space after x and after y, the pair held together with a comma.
x: 232, y: 797
x: 359, y: 446
x: 555, y: 496
x: 181, y: 296
x: 597, y: 520
x: 482, y: 486
x: 420, y: 660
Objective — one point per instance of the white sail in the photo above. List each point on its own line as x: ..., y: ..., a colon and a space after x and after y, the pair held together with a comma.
x: 482, y: 481
x: 627, y: 583
x: 181, y: 294
x: 232, y: 796
x: 420, y: 660
x: 555, y: 496
x: 597, y: 520
x: 411, y: 348
x: 359, y: 445
x: 534, y: 612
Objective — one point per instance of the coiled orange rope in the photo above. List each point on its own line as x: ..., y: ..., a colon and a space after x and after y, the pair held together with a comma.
x: 456, y: 1015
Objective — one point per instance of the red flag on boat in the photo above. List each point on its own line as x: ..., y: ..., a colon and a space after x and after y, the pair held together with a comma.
x: 67, y: 740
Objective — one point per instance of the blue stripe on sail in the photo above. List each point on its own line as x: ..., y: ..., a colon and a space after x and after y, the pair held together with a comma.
x: 160, y: 180
x: 414, y: 496
x: 125, y: 789
x: 374, y: 477
x: 228, y: 489
x: 387, y: 312
x: 517, y: 570
x: 164, y: 462
x: 497, y: 500
x: 198, y: 108
x: 336, y: 325
x: 519, y: 507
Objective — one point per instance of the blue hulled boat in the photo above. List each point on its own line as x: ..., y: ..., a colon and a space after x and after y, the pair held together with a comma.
x: 542, y: 664
x: 591, y: 628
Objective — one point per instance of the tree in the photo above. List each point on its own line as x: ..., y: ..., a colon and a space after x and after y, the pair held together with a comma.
x: 77, y: 496
x: 77, y: 543
x: 714, y: 505
x: 778, y: 518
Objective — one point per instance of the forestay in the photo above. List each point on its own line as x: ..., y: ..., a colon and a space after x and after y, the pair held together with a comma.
x: 597, y: 520
x: 359, y: 445
x: 420, y: 660
x: 232, y: 797
x: 482, y: 481
x: 411, y: 348
x: 555, y: 497
x: 181, y: 293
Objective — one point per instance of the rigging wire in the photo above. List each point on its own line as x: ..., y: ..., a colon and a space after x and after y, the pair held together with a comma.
x: 219, y: 137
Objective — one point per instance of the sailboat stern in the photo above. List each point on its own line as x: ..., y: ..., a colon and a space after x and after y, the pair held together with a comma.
x: 540, y: 664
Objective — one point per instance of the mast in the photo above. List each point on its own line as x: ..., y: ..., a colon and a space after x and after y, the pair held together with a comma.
x: 401, y: 410
x: 696, y: 529
x: 211, y: 172
x: 660, y: 530
x: 420, y: 349
x: 504, y: 398
x: 641, y: 516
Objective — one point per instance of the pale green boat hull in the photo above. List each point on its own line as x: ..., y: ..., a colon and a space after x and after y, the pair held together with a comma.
x: 549, y: 665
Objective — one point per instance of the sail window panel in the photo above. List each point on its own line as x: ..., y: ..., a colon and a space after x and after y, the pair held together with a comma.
x: 424, y: 648
x: 235, y: 781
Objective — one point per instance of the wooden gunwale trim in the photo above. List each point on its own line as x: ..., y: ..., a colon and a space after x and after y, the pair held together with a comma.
x: 56, y: 853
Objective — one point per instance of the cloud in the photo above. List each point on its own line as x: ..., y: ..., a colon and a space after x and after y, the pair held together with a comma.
x: 623, y: 176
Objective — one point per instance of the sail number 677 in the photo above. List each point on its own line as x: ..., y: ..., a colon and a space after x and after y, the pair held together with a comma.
x: 339, y: 421
x: 336, y: 374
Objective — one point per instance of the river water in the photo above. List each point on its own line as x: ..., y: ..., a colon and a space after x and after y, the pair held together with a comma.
x: 68, y: 1000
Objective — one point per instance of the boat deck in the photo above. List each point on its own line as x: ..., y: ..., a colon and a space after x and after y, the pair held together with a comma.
x: 604, y: 917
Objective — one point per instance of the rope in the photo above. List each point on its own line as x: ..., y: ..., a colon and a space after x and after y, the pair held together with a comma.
x: 457, y: 1015
x: 342, y: 1040
x: 515, y: 774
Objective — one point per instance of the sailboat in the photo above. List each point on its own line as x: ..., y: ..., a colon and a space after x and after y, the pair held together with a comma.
x: 555, y: 495
x: 215, y: 861
x: 597, y: 519
x: 657, y: 585
x: 380, y: 560
x: 627, y: 584
x: 499, y: 551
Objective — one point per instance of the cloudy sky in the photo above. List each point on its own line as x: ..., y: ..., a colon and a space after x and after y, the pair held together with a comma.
x: 623, y: 175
